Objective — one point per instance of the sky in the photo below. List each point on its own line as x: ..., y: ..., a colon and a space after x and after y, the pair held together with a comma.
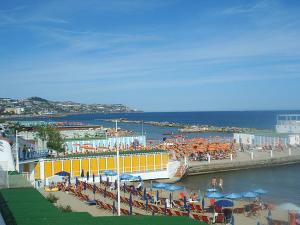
x: 153, y: 55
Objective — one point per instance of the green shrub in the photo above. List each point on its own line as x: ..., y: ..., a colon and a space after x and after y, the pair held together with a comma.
x: 65, y: 208
x: 52, y: 198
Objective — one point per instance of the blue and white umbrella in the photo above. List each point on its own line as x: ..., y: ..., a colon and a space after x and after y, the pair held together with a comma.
x: 173, y: 188
x: 260, y: 191
x: 249, y: 194
x: 233, y: 196
x: 213, y: 195
x: 211, y: 190
x: 159, y: 185
x: 110, y: 173
x: 63, y: 174
x: 126, y: 176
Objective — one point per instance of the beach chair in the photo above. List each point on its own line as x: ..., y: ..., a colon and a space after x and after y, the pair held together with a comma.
x: 177, y: 202
x: 205, y: 219
x: 196, y: 216
x: 192, y: 207
x: 123, y: 199
x: 178, y: 213
x: 199, y: 208
x: 125, y: 211
x: 220, y: 218
x: 170, y: 212
x: 110, y: 207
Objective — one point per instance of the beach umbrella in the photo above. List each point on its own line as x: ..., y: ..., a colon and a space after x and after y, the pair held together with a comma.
x: 87, y: 175
x: 260, y: 191
x: 232, y: 220
x: 82, y: 173
x: 126, y: 176
x: 224, y: 203
x: 199, y: 196
x: 249, y: 194
x: 130, y: 203
x: 145, y: 194
x: 93, y: 178
x: 130, y: 209
x: 94, y: 190
x: 211, y: 190
x: 84, y: 185
x: 173, y: 188
x: 165, y: 209
x: 213, y: 195
x: 184, y: 202
x: 289, y: 206
x: 233, y: 196
x: 147, y: 204
x: 159, y: 185
x: 100, y: 178
x: 270, y: 214
x: 63, y: 174
x: 203, y: 203
x: 114, y: 207
x: 110, y: 173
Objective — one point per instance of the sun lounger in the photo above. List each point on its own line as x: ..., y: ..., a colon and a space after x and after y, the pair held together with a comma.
x: 199, y: 208
x: 205, y: 219
x: 196, y: 216
x: 125, y: 211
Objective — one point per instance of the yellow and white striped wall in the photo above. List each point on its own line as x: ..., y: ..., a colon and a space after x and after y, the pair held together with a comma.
x: 131, y: 163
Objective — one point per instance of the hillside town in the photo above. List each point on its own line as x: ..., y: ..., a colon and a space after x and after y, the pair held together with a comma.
x: 40, y: 106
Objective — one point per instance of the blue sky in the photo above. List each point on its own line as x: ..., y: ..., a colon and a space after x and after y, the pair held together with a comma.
x: 154, y: 55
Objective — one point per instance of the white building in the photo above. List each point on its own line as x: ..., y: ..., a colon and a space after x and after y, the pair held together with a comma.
x: 288, y: 123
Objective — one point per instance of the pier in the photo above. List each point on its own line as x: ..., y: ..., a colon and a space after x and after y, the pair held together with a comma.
x: 244, y: 160
x: 185, y: 128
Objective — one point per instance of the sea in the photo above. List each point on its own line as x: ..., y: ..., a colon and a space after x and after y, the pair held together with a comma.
x: 282, y: 183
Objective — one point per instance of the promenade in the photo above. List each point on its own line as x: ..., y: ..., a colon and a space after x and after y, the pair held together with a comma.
x: 245, y: 160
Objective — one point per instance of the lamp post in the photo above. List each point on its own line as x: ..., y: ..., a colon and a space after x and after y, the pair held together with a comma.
x: 17, y: 152
x: 118, y: 176
x: 118, y: 183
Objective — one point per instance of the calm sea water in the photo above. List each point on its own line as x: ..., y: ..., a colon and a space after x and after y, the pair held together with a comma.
x: 282, y: 182
x: 251, y: 119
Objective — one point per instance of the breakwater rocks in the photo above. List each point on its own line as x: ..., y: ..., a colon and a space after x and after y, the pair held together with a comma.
x: 198, y: 169
x: 185, y: 128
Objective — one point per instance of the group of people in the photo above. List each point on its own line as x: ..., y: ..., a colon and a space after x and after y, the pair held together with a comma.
x: 27, y: 152
x: 215, y: 183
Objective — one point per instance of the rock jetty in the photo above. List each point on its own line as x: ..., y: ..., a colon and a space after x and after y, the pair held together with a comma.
x: 185, y: 128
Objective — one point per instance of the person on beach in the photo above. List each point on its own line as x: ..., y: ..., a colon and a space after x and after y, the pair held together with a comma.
x: 221, y: 182
x: 214, y: 182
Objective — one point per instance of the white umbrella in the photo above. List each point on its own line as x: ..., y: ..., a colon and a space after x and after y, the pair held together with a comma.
x: 289, y: 206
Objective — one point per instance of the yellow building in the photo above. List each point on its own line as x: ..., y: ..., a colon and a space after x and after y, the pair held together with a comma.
x: 149, y: 163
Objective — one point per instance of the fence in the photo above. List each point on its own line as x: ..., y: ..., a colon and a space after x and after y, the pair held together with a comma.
x: 12, y: 179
